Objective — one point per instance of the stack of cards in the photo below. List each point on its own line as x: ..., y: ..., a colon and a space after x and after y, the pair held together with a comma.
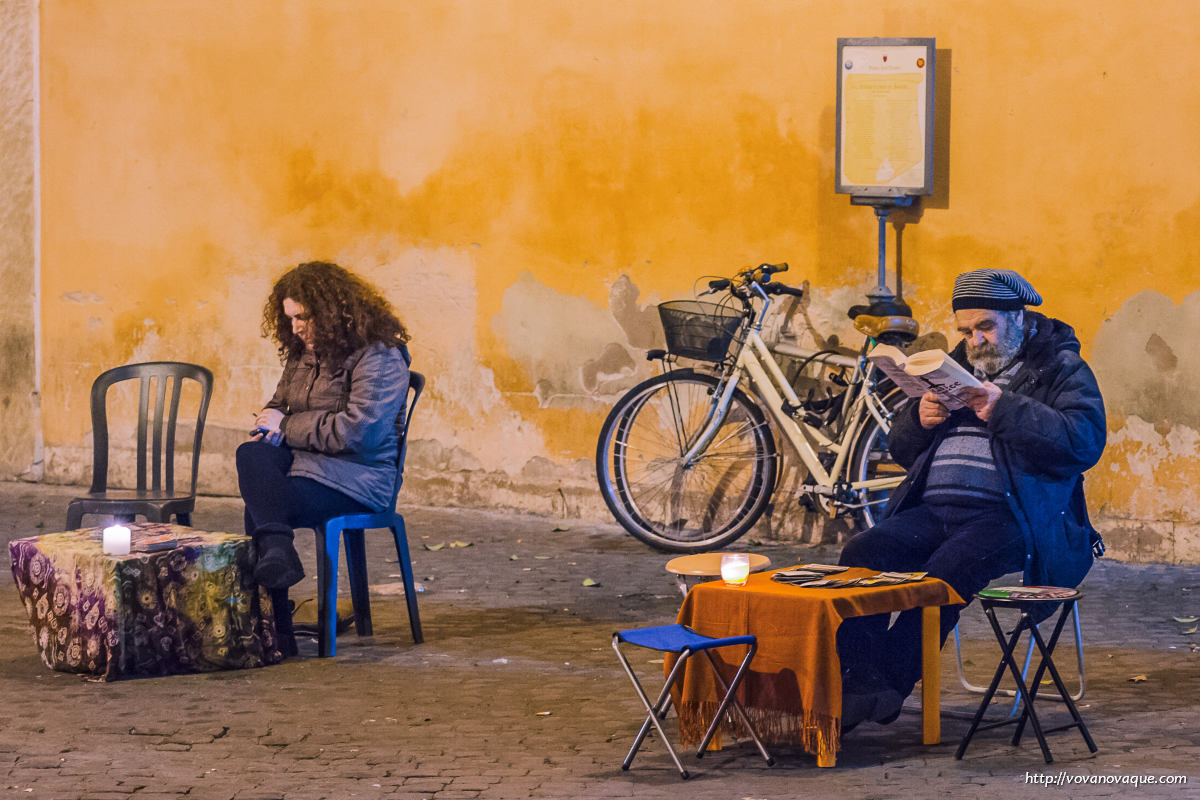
x: 813, y: 576
x: 891, y: 578
x: 806, y: 573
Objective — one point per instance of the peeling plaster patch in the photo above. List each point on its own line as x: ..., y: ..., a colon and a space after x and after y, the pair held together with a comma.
x: 82, y: 297
x: 1161, y: 354
x: 641, y: 324
x: 434, y: 293
x: 1187, y: 544
x: 148, y: 343
x: 1151, y: 475
x: 551, y: 334
x: 431, y: 454
x: 1147, y: 360
x: 612, y: 367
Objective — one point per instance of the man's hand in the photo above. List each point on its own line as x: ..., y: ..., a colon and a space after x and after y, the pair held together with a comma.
x: 931, y: 411
x: 982, y: 399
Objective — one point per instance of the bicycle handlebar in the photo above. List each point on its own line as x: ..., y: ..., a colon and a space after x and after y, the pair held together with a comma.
x: 748, y: 282
x: 782, y: 288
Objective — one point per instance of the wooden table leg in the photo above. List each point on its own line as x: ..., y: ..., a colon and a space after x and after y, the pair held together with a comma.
x: 931, y: 660
x: 826, y: 755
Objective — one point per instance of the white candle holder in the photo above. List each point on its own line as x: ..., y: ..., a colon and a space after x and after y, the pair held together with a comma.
x: 116, y: 540
x: 735, y: 568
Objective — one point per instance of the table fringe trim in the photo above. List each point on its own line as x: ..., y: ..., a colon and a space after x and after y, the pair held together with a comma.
x: 814, y: 732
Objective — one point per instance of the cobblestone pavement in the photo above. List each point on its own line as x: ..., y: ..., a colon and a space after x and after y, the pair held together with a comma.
x: 516, y: 693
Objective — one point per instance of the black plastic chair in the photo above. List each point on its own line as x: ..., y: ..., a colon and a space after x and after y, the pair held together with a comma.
x: 352, y: 527
x: 155, y: 497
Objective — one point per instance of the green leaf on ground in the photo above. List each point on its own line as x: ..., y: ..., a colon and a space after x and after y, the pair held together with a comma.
x: 437, y: 546
x: 590, y: 582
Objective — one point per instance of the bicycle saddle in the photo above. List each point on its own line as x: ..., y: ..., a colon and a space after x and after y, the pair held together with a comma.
x: 882, y: 327
x: 885, y: 319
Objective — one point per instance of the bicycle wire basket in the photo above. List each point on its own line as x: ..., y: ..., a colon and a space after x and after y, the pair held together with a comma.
x: 702, y: 331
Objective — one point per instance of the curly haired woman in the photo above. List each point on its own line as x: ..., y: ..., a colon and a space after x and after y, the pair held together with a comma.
x: 326, y: 443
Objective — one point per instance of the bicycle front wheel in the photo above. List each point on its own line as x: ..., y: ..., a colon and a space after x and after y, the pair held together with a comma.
x: 678, y: 506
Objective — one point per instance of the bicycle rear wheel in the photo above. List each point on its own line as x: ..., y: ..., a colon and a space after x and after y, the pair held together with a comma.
x: 872, y: 459
x: 667, y: 503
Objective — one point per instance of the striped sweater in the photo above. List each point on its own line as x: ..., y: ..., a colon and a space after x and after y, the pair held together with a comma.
x: 963, y: 471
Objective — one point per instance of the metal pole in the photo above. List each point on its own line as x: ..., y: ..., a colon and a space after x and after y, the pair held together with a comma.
x: 881, y: 290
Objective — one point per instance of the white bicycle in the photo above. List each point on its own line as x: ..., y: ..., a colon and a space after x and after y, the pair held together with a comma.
x: 687, y: 460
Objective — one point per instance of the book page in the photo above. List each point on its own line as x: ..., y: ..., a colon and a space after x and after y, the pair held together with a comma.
x: 890, y: 361
x: 929, y: 370
x: 924, y: 362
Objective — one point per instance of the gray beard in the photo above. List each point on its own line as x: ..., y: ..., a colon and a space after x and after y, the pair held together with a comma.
x: 991, y: 362
x: 990, y: 359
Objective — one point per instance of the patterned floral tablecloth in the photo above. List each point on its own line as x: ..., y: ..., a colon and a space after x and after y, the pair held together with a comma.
x: 193, y: 608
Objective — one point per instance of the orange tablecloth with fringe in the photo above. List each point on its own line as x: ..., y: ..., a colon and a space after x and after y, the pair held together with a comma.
x: 793, y: 692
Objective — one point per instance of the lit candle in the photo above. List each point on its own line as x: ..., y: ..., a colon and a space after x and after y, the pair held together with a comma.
x: 116, y: 540
x: 735, y: 568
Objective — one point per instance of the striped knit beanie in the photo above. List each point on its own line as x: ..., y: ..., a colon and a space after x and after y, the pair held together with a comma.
x: 994, y: 289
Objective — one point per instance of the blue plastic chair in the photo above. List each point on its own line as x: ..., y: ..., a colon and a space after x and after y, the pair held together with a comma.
x: 350, y: 528
x: 686, y: 642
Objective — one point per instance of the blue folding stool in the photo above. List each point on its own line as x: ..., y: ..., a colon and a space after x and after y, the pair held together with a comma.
x: 686, y: 642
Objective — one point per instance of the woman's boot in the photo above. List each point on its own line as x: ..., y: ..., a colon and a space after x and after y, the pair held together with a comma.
x: 278, y: 564
x: 285, y: 637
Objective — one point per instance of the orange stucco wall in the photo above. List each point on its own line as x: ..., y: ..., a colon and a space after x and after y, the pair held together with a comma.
x: 524, y: 179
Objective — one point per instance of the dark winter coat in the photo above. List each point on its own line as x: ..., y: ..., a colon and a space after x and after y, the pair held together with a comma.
x: 1046, y: 429
x: 343, y: 420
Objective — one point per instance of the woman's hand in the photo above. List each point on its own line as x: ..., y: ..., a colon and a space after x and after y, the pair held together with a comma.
x: 931, y: 411
x: 266, y: 427
x: 269, y: 418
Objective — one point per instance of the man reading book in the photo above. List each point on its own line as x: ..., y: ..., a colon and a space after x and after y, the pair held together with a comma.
x: 992, y: 488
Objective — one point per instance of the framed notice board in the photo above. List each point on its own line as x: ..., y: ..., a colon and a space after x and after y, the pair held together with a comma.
x: 885, y: 91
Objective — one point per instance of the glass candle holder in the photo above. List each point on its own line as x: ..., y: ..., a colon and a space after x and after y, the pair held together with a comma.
x: 735, y: 568
x: 116, y: 540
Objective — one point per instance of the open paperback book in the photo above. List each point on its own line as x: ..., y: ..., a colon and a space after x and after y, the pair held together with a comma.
x: 921, y: 372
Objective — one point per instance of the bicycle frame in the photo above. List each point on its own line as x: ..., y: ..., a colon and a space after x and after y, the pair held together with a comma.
x: 757, y: 364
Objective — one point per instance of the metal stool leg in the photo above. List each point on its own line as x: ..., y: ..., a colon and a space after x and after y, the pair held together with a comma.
x: 1006, y: 657
x: 979, y: 689
x: 653, y: 710
x: 1027, y: 691
x: 730, y: 699
x: 1047, y: 664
